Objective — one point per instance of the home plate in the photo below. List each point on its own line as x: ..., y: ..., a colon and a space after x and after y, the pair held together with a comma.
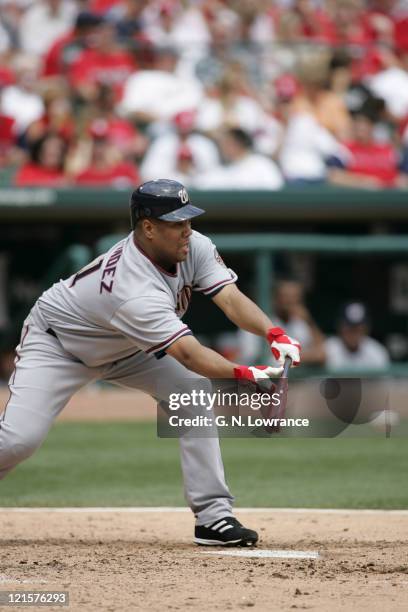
x: 276, y: 554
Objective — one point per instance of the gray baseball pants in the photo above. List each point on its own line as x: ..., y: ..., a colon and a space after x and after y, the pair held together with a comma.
x: 46, y: 377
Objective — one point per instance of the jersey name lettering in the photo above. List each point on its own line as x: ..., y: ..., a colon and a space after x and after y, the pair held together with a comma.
x: 109, y: 271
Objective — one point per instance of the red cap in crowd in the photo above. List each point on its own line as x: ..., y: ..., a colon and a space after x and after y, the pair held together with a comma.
x: 286, y: 86
x: 98, y: 128
x: 185, y: 120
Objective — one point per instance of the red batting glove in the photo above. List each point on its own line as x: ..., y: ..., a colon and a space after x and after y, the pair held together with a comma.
x: 283, y: 346
x: 255, y: 373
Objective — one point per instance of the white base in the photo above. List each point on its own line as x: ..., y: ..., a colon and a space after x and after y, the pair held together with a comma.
x: 276, y: 554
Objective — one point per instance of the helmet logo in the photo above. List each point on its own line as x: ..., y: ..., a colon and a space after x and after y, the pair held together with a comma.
x: 183, y: 195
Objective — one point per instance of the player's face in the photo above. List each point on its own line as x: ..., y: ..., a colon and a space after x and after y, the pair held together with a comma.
x: 171, y: 239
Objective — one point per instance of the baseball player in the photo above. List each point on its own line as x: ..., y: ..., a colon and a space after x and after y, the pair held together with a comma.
x: 119, y: 320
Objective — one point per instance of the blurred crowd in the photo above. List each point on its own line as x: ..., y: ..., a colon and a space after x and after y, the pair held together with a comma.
x: 216, y: 94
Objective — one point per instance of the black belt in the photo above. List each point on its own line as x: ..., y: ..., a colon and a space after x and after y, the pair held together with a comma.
x: 51, y: 332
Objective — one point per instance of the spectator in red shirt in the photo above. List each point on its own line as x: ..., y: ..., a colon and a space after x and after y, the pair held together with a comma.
x: 7, y: 139
x: 369, y: 164
x: 120, y: 132
x: 350, y: 26
x: 7, y: 76
x: 312, y: 24
x: 106, y: 166
x: 103, y: 6
x: 380, y: 27
x: 68, y: 47
x: 304, y: 22
x: 104, y: 64
x: 46, y: 165
x: 401, y: 34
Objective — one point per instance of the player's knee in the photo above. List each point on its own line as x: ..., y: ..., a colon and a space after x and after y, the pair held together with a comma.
x: 15, y: 447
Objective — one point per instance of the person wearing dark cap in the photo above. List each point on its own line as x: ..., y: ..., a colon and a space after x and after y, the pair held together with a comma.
x: 119, y: 319
x: 353, y: 347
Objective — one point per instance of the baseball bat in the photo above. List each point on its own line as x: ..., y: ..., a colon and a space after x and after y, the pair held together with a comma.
x: 286, y: 367
x: 282, y: 390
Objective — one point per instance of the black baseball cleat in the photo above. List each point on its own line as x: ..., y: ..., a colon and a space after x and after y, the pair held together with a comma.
x: 225, y: 532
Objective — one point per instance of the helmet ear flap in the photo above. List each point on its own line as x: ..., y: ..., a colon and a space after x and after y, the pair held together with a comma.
x: 138, y: 208
x: 135, y: 214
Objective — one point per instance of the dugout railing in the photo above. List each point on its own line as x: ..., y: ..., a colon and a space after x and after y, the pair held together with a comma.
x: 291, y: 204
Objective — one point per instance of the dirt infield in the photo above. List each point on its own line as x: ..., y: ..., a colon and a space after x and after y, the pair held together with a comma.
x: 115, y: 561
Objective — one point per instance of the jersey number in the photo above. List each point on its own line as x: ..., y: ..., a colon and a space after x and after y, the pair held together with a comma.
x: 89, y: 269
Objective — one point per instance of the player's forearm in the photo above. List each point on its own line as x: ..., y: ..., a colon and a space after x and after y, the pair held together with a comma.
x: 255, y: 322
x: 201, y: 359
x: 242, y: 311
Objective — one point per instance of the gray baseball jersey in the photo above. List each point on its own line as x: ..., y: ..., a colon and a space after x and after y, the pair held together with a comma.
x: 123, y: 302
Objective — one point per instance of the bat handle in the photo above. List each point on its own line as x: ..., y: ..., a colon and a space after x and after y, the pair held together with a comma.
x: 286, y: 366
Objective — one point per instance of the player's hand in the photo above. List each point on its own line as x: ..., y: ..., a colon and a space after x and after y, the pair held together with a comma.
x: 283, y: 346
x: 256, y: 373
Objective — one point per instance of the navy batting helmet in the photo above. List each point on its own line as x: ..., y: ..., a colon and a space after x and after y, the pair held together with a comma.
x: 162, y: 199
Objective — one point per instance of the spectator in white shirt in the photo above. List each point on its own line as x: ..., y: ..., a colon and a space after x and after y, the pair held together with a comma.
x: 21, y: 101
x: 391, y: 79
x: 226, y: 104
x: 160, y: 93
x: 183, y: 27
x: 305, y: 148
x: 292, y: 314
x: 168, y: 149
x: 44, y: 22
x: 353, y: 347
x: 244, y: 168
